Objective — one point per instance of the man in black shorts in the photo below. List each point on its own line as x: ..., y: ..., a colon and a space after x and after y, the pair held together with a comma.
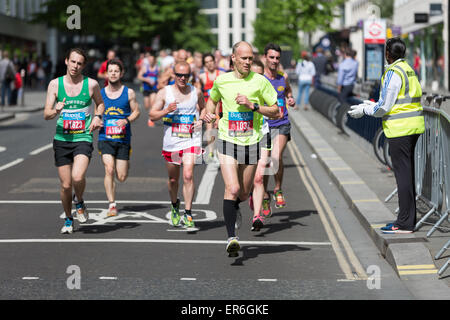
x: 243, y: 94
x: 69, y: 98
x: 114, y: 138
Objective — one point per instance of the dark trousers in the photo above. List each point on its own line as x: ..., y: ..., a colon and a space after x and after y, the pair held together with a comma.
x: 346, y: 91
x: 401, y: 150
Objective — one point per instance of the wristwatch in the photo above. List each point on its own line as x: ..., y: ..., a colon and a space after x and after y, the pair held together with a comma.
x: 255, y: 107
x: 99, y: 115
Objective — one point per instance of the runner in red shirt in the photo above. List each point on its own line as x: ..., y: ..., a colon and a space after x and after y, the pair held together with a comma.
x: 206, y: 80
x: 103, y: 68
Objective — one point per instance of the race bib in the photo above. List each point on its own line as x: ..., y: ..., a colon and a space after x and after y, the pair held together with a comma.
x: 281, y: 105
x: 113, y: 131
x: 240, y: 124
x: 74, y: 122
x: 182, y: 125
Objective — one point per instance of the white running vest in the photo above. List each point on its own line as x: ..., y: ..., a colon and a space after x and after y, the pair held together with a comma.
x: 179, y: 133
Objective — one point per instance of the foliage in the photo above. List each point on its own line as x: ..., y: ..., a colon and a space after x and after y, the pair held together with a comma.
x: 178, y: 23
x: 279, y: 21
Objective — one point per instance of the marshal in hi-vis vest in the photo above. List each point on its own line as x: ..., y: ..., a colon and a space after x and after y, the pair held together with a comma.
x: 406, y: 116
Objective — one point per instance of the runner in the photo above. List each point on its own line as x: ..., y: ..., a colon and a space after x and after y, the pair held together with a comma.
x: 114, y: 137
x: 243, y: 94
x: 180, y: 106
x: 280, y: 129
x: 206, y: 80
x: 256, y: 200
x: 72, y: 143
x: 148, y: 74
x: 102, y: 71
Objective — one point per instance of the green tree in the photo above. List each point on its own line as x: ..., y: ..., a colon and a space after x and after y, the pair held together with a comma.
x: 386, y: 8
x: 280, y: 20
x: 178, y: 23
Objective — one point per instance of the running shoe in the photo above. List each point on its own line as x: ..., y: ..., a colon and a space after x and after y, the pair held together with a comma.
x: 238, y: 222
x: 68, y: 226
x: 175, y: 213
x: 112, y: 211
x: 250, y: 201
x: 258, y: 223
x: 391, y: 228
x: 188, y: 221
x: 233, y: 246
x: 82, y: 213
x: 279, y: 199
x: 266, y: 211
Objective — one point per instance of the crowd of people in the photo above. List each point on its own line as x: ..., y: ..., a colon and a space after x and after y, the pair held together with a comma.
x: 16, y: 73
x: 247, y: 127
x: 242, y: 103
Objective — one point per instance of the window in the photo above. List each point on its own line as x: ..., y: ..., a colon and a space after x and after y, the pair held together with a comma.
x: 208, y: 4
x: 243, y: 36
x: 230, y: 4
x: 243, y: 20
x: 242, y: 3
x: 213, y: 20
x: 230, y: 38
x: 230, y: 20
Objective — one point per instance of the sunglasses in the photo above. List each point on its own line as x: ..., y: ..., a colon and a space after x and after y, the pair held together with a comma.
x: 180, y: 75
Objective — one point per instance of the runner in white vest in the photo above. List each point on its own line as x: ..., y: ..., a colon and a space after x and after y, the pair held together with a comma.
x: 179, y: 106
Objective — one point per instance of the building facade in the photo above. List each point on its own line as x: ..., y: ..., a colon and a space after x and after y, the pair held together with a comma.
x: 426, y: 39
x: 231, y: 21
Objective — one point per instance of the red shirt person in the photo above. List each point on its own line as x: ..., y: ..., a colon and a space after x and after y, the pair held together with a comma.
x: 103, y: 68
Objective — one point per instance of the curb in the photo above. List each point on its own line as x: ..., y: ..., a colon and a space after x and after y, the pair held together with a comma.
x: 11, y: 113
x: 403, y: 251
x: 6, y: 116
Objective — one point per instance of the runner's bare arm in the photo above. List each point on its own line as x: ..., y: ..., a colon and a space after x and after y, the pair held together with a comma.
x: 134, y: 105
x: 50, y: 110
x: 135, y: 112
x: 201, y: 105
x: 288, y: 92
x: 157, y: 111
x: 99, y: 105
x: 268, y: 111
x: 209, y: 115
x: 141, y: 75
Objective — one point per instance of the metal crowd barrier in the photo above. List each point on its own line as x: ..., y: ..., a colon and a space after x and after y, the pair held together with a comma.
x: 432, y: 155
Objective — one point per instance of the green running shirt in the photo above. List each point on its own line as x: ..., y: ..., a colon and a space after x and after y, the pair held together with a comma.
x: 239, y: 124
x: 75, y: 118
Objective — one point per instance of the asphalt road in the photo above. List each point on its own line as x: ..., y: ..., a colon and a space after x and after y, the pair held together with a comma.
x: 314, y: 248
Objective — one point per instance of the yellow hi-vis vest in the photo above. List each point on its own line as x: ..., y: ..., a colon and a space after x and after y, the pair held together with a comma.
x: 406, y: 116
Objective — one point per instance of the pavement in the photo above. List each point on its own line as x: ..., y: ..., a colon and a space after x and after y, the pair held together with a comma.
x: 365, y: 183
x: 33, y: 101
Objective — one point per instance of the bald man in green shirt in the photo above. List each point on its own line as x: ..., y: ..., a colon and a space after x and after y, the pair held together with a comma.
x: 246, y: 96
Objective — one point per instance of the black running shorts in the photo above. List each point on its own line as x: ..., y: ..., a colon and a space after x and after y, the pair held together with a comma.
x: 66, y: 151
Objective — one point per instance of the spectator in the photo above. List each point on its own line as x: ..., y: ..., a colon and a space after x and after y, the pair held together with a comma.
x: 40, y: 76
x: 417, y: 63
x: 320, y: 64
x: 32, y: 68
x: 347, y: 72
x: 48, y: 67
x: 102, y: 71
x: 17, y: 91
x: 6, y: 77
x: 305, y: 71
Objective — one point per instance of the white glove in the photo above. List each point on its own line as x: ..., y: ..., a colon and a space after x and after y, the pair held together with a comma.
x: 356, y: 111
x: 369, y: 103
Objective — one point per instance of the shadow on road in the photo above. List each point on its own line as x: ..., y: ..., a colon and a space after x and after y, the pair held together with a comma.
x: 251, y: 252
x: 98, y: 229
